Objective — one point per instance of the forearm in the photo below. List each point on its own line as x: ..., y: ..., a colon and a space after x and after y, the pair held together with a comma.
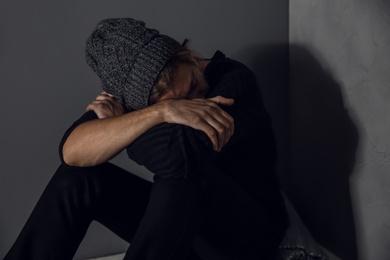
x: 97, y: 141
x: 178, y: 150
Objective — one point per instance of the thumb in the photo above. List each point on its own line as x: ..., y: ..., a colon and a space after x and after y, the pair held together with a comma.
x: 220, y: 100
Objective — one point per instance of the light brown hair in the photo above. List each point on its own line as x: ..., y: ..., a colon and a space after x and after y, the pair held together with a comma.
x: 166, y: 78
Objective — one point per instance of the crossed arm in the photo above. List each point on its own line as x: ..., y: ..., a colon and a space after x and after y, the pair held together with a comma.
x: 173, y: 136
x: 97, y: 141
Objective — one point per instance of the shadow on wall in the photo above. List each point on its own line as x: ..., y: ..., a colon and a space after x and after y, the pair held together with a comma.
x: 323, y: 141
x: 269, y: 62
x: 317, y: 140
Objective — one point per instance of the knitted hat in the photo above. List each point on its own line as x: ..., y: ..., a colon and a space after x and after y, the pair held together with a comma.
x: 128, y: 58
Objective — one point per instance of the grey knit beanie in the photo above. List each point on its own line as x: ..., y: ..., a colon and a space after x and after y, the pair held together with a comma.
x: 128, y: 58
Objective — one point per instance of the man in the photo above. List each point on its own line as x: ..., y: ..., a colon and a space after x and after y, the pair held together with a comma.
x: 198, y: 124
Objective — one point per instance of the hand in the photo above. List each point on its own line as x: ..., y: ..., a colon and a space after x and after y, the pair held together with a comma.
x: 202, y: 114
x: 105, y: 105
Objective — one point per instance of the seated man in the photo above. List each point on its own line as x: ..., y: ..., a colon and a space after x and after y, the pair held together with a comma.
x: 198, y: 124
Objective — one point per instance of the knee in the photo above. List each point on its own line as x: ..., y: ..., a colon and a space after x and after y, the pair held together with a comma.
x: 72, y: 181
x: 69, y: 177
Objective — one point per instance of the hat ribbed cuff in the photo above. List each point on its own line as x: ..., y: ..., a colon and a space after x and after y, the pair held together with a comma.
x: 146, y: 69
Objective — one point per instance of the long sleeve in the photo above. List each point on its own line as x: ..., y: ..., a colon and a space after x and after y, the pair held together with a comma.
x: 177, y: 150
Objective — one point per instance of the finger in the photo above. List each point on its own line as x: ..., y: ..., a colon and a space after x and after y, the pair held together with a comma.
x: 230, y: 133
x: 229, y: 124
x: 89, y: 107
x: 105, y: 93
x: 98, y: 105
x: 114, y: 103
x: 93, y: 107
x: 219, y: 110
x: 221, y: 115
x: 103, y: 101
x: 223, y: 124
x: 220, y: 131
x: 223, y: 128
x: 204, y: 126
x: 213, y: 136
x: 105, y: 97
x: 101, y: 108
x: 217, y: 118
x: 222, y: 100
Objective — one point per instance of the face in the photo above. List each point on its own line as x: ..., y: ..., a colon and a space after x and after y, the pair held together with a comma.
x: 189, y: 83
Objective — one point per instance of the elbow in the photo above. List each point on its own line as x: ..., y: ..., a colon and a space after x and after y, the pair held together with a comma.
x: 73, y: 159
x: 69, y: 159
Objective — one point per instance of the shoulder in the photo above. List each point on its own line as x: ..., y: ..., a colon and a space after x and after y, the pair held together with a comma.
x: 220, y: 61
x: 221, y: 67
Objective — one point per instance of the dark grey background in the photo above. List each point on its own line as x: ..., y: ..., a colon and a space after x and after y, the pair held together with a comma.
x: 331, y: 116
x: 46, y: 83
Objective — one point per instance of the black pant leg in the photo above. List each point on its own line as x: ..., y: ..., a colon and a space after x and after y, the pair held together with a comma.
x: 71, y: 200
x: 122, y: 202
x: 171, y: 221
x: 236, y: 226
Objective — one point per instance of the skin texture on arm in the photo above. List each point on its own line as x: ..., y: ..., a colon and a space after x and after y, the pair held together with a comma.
x: 97, y: 141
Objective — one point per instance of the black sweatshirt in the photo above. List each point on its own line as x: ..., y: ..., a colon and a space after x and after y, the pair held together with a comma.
x: 249, y: 158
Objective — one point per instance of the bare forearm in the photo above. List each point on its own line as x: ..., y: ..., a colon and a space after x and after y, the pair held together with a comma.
x: 98, y: 141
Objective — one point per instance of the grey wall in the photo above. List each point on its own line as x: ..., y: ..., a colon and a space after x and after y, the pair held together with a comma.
x: 46, y: 84
x: 339, y: 105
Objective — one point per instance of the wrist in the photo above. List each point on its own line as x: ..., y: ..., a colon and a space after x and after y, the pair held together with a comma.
x: 158, y: 112
x: 162, y: 111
